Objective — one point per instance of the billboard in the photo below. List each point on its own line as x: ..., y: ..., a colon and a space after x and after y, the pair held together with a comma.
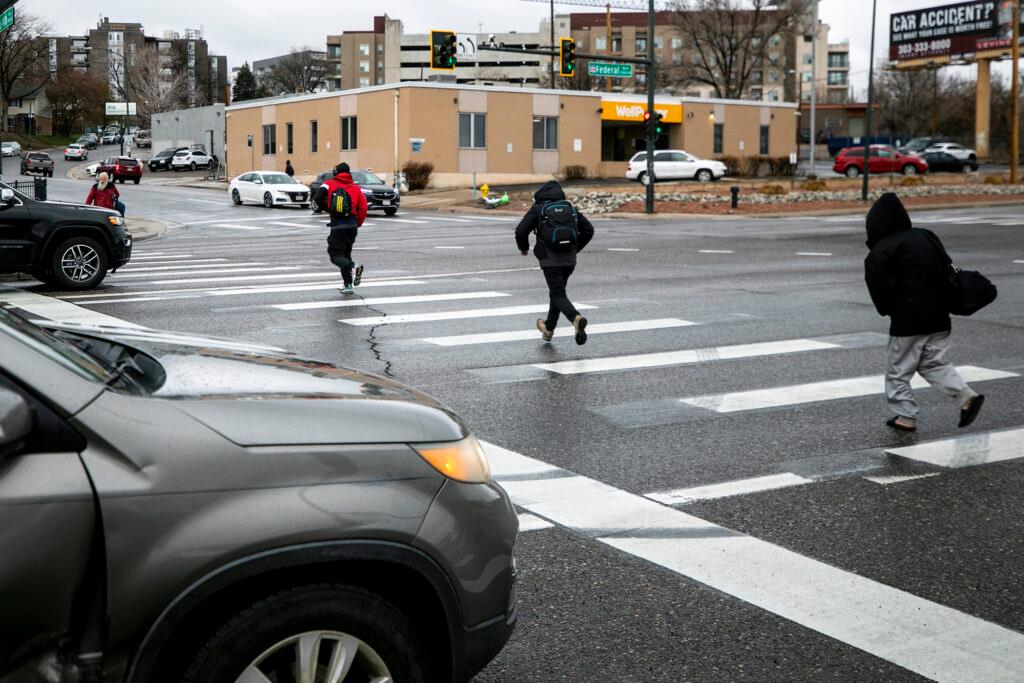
x: 959, y: 29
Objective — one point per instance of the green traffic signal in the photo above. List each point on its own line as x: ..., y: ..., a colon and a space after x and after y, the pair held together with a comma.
x: 443, y: 50
x: 567, y: 56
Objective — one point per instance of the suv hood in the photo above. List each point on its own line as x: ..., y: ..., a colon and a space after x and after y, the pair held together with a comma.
x: 70, y: 211
x: 264, y: 396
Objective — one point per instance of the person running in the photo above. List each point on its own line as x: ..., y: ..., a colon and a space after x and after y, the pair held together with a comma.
x: 905, y: 274
x: 562, y: 232
x: 346, y: 205
x: 103, y: 193
x: 288, y: 169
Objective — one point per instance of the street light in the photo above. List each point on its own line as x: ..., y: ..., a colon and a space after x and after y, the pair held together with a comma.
x: 122, y: 87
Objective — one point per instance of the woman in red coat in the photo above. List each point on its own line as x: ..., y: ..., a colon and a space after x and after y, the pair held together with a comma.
x: 103, y: 193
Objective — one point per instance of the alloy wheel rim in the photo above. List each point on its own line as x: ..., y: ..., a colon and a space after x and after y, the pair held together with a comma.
x: 80, y: 263
x: 317, y: 657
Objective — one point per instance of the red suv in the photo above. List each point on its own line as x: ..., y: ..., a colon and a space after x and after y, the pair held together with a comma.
x: 850, y: 162
x: 121, y: 168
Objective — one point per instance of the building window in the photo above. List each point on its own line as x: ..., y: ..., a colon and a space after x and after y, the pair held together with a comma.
x: 545, y: 132
x: 764, y: 140
x: 270, y: 139
x: 312, y: 136
x: 600, y: 43
x: 756, y: 94
x: 334, y: 51
x: 677, y: 43
x: 658, y: 43
x: 757, y: 77
x: 364, y: 67
x: 719, y: 127
x: 808, y: 58
x: 838, y: 60
x: 775, y: 41
x: 348, y: 132
x: 806, y: 76
x: 773, y: 96
x: 774, y: 76
x: 289, y: 138
x: 472, y: 130
x: 616, y: 43
x: 364, y: 50
x: 837, y: 78
x: 641, y: 78
x: 380, y: 63
x: 364, y: 82
x: 14, y: 102
x: 641, y: 46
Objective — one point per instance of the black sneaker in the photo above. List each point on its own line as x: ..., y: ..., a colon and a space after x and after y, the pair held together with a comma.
x: 357, y: 277
x: 580, y: 325
x: 970, y: 410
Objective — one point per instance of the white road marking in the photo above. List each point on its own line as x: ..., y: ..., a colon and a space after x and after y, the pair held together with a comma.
x: 205, y: 201
x: 56, y: 309
x: 236, y: 220
x: 440, y: 218
x: 404, y: 220
x: 127, y: 300
x: 235, y: 226
x: 492, y: 218
x: 364, y: 248
x: 967, y: 451
x: 195, y: 292
x: 288, y: 225
x: 685, y: 357
x: 449, y: 247
x: 247, y: 278
x: 1015, y: 261
x: 452, y: 315
x: 159, y: 256
x: 621, y: 249
x: 380, y: 301
x: 726, y: 489
x: 820, y: 391
x: 927, y: 638
x: 528, y: 522
x: 180, y: 266
x: 900, y: 478
x: 716, y: 251
x: 117, y: 277
x: 813, y: 253
x: 566, y: 331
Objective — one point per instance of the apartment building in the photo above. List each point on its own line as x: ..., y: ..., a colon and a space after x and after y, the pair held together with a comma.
x: 263, y: 69
x: 838, y: 80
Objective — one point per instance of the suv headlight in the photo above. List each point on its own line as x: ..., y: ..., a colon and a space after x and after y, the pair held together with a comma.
x: 462, y: 460
x: 115, y: 220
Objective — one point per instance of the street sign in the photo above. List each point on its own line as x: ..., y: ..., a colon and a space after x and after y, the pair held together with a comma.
x: 610, y: 70
x: 6, y: 19
x: 120, y: 109
x: 466, y: 46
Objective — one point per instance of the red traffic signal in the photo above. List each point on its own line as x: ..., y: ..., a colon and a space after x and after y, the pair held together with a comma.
x: 647, y: 116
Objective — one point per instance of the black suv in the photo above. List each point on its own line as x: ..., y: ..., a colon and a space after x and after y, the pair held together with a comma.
x: 379, y: 196
x: 70, y: 246
x: 162, y: 161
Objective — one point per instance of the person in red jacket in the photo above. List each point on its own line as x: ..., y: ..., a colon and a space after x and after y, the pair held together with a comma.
x: 103, y: 192
x: 344, y: 226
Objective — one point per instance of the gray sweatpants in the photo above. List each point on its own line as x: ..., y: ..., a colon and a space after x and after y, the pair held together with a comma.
x: 927, y: 356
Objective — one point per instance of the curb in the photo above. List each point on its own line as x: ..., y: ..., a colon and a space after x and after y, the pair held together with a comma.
x: 143, y: 229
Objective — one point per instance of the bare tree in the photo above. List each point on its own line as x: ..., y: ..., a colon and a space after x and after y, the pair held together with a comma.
x: 302, y: 70
x: 580, y: 79
x: 156, y: 86
x: 728, y: 40
x: 24, y: 59
x: 75, y: 99
x: 904, y: 99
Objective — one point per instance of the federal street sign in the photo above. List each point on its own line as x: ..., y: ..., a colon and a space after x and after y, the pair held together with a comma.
x: 6, y: 19
x: 610, y: 69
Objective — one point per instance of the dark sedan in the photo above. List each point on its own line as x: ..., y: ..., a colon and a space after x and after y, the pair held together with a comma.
x: 162, y: 161
x: 943, y: 161
x: 379, y: 196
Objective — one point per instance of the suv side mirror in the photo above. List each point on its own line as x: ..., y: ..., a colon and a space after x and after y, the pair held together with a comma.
x: 6, y: 196
x: 15, y: 420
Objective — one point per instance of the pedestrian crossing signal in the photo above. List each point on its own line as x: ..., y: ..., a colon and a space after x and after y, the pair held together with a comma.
x: 567, y: 57
x: 443, y: 50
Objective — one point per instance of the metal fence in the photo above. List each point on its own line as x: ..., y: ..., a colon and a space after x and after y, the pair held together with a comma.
x: 36, y: 187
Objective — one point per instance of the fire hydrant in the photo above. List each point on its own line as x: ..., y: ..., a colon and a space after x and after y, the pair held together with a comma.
x: 484, y: 189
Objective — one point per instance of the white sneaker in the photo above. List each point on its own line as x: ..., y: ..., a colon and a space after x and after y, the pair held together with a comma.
x: 347, y: 289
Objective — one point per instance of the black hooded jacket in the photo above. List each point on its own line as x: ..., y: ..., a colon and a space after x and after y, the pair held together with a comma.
x: 905, y: 271
x: 550, y: 191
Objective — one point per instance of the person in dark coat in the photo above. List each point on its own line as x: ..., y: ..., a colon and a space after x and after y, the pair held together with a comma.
x: 906, y: 273
x: 288, y: 168
x: 557, y: 266
x: 344, y: 229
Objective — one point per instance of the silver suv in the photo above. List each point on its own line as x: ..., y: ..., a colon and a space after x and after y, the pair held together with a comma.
x: 175, y: 508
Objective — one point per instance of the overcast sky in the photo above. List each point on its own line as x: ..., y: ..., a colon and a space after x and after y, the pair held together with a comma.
x: 246, y: 30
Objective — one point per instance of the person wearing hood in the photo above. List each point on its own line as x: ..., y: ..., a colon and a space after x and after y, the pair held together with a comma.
x: 346, y: 218
x: 906, y: 273
x: 562, y: 232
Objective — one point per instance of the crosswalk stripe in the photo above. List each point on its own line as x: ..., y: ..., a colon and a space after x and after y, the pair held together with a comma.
x: 493, y: 218
x: 520, y: 335
x: 925, y: 637
x: 685, y: 357
x: 967, y: 451
x: 235, y: 290
x: 288, y: 225
x: 449, y: 247
x: 451, y: 315
x: 245, y: 278
x: 729, y: 488
x: 443, y: 219
x: 528, y: 522
x: 886, y: 480
x: 235, y: 226
x: 380, y: 301
x: 117, y: 277
x: 57, y: 309
x: 157, y: 256
x: 814, y: 253
x: 621, y: 249
x: 406, y: 220
x: 716, y: 251
x: 181, y: 266
x: 820, y: 391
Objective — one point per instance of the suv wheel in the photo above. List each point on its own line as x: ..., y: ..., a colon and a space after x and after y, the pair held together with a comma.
x: 192, y: 166
x: 322, y: 632
x: 852, y: 171
x: 78, y: 263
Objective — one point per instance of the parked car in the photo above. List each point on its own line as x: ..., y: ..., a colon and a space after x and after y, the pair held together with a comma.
x: 10, y: 149
x: 76, y: 151
x: 143, y: 138
x: 674, y: 164
x: 964, y: 154
x: 269, y: 189
x: 92, y: 169
x: 917, y: 145
x: 88, y: 140
x: 190, y: 160
x: 943, y: 161
x: 884, y: 159
x: 37, y: 162
x: 71, y: 246
x: 265, y: 517
x: 379, y: 196
x: 162, y: 161
x: 121, y: 169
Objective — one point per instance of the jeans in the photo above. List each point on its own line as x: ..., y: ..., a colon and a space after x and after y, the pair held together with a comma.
x: 339, y: 248
x: 557, y: 277
x: 925, y: 355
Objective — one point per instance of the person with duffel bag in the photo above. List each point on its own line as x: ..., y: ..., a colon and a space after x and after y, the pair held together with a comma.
x: 345, y: 203
x: 562, y: 232
x: 912, y: 280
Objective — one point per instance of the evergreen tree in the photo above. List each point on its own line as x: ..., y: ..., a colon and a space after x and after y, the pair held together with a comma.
x: 245, y: 85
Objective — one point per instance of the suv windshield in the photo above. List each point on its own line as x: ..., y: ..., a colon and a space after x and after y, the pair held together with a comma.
x: 366, y: 178
x: 277, y: 179
x: 128, y: 161
x: 167, y: 153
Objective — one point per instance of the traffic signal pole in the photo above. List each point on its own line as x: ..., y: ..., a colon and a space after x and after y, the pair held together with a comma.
x: 1015, y: 96
x: 649, y: 195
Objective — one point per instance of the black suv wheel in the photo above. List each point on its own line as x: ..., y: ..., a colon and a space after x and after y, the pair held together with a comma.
x: 321, y: 632
x: 78, y: 263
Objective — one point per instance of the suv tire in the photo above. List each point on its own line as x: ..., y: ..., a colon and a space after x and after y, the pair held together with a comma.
x: 387, y: 635
x: 78, y: 263
x: 852, y: 171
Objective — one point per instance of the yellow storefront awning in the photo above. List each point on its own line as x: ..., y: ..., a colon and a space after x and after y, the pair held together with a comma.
x: 634, y: 111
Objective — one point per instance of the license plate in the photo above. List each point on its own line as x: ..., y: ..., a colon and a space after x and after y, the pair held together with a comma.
x: 386, y: 202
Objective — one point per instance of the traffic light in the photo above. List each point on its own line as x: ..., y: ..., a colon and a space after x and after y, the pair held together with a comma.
x: 443, y: 50
x: 567, y: 57
x: 656, y: 122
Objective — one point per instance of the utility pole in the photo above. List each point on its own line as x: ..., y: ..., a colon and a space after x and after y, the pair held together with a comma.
x: 1015, y: 96
x: 608, y: 37
x: 871, y: 103
x: 649, y: 197
x: 552, y: 26
x: 814, y: 89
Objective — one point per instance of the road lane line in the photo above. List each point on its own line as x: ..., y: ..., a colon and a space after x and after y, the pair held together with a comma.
x: 685, y: 357
x: 927, y: 638
x: 566, y: 331
x: 967, y: 451
x: 725, y: 489
x: 451, y: 315
x: 831, y: 390
x: 814, y: 253
x: 157, y: 255
x: 621, y: 249
x: 380, y: 301
x: 449, y: 247
x: 716, y: 251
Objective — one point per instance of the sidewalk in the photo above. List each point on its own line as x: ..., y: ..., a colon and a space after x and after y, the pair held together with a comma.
x: 143, y: 229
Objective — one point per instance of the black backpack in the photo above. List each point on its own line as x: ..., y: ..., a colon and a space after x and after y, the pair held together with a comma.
x: 559, y: 226
x: 339, y: 203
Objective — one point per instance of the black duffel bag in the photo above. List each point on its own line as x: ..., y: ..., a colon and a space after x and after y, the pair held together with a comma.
x: 967, y: 291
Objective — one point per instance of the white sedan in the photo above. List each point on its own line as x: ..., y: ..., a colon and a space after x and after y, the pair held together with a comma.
x: 91, y: 169
x: 191, y: 160
x: 10, y: 149
x: 269, y: 189
x: 964, y: 154
x: 674, y: 164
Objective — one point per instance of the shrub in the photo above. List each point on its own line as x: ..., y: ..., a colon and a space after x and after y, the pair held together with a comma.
x: 417, y: 175
x: 751, y: 166
x: 575, y: 172
x: 994, y: 180
x: 781, y: 167
x: 773, y: 189
x: 814, y: 185
x: 732, y: 165
x: 911, y: 182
